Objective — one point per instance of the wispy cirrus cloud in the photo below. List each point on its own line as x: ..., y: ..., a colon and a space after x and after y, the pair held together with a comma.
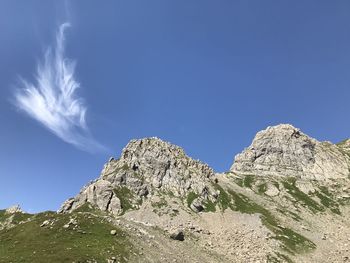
x: 52, y: 98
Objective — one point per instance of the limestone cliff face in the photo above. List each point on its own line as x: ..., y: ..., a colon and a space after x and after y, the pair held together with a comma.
x: 145, y: 166
x: 284, y: 150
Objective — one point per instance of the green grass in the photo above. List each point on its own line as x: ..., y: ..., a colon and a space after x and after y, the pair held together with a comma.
x: 328, y: 202
x: 3, y: 215
x: 190, y: 198
x: 209, y: 206
x: 13, y: 218
x: 238, y: 181
x: 301, y: 197
x: 248, y: 181
x: 19, y: 217
x: 290, y: 214
x: 224, y: 199
x: 160, y: 204
x: 278, y: 258
x: 125, y: 196
x: 262, y: 188
x: 291, y: 241
x: 91, y: 240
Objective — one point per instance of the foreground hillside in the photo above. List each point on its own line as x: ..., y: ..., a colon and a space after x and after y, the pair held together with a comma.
x: 285, y: 199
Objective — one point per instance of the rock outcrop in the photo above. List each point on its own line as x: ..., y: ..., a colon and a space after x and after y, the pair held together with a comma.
x: 284, y: 150
x: 345, y: 146
x: 14, y: 209
x: 145, y: 166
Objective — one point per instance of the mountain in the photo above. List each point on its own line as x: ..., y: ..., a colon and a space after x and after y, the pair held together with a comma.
x: 286, y: 198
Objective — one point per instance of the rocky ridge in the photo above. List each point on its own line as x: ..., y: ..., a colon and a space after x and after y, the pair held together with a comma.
x: 145, y: 167
x: 284, y: 150
x: 286, y: 198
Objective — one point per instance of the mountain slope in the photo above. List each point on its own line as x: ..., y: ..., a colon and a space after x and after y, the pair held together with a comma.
x: 285, y: 199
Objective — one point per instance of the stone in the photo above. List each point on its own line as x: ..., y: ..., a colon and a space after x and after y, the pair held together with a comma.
x: 13, y: 209
x: 100, y: 194
x: 305, y: 186
x: 177, y: 234
x: 284, y: 150
x: 45, y: 223
x: 271, y: 190
x: 196, y: 205
x: 113, y: 232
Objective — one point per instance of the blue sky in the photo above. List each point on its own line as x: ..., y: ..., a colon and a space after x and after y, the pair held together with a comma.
x: 205, y: 75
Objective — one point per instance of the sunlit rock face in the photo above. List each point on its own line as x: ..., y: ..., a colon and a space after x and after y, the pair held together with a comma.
x: 284, y: 150
x: 145, y: 167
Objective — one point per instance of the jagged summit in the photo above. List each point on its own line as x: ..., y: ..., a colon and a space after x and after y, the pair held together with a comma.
x: 145, y: 166
x: 284, y: 150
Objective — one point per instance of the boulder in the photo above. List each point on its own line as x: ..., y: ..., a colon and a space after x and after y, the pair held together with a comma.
x: 177, y: 234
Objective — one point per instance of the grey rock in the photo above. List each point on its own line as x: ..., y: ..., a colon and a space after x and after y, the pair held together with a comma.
x: 177, y: 234
x: 305, y: 186
x: 284, y: 150
x: 99, y: 194
x: 13, y: 209
x: 45, y: 223
x: 271, y: 190
x: 197, y: 205
x: 145, y: 166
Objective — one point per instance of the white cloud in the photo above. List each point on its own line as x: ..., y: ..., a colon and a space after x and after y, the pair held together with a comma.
x: 52, y: 99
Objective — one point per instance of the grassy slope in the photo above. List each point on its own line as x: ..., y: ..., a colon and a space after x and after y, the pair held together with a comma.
x: 90, y: 240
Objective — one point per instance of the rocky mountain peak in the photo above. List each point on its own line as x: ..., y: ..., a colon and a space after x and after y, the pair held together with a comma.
x: 152, y: 147
x: 145, y: 167
x: 284, y: 150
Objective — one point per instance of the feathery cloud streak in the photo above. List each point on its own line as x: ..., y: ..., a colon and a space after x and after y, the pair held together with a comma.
x: 52, y: 100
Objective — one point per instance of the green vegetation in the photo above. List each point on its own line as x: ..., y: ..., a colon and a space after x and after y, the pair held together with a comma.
x: 325, y: 191
x: 325, y: 197
x: 125, y: 167
x: 3, y: 215
x: 14, y: 218
x: 90, y: 240
x: 238, y: 181
x: 328, y: 202
x: 160, y: 204
x: 209, y: 206
x: 262, y: 188
x: 248, y: 181
x: 291, y: 241
x: 290, y: 214
x: 190, y: 198
x: 224, y: 199
x: 20, y: 217
x: 278, y: 258
x: 301, y: 197
x: 125, y: 196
